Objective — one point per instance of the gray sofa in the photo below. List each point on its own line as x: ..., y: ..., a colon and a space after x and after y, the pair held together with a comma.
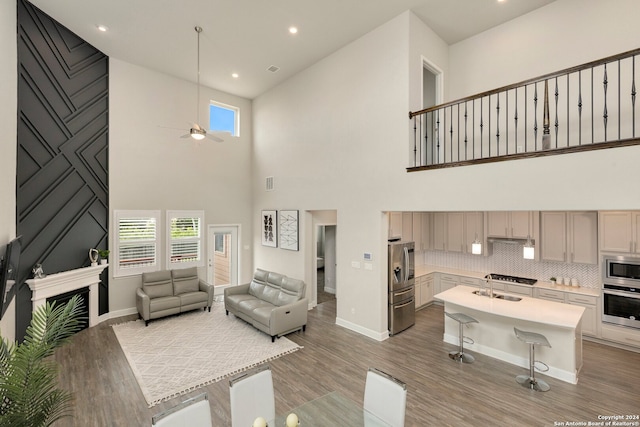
x: 272, y: 302
x: 168, y: 292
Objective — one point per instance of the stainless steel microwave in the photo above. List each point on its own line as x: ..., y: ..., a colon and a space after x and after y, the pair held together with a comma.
x: 620, y: 270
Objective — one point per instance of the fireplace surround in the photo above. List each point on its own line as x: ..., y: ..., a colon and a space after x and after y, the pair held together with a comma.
x: 64, y: 282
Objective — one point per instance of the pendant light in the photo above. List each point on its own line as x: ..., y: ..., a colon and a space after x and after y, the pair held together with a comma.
x: 528, y: 252
x: 476, y: 246
x: 195, y: 132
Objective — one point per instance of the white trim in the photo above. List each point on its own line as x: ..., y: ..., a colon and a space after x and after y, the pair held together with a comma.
x: 236, y: 116
x: 378, y: 336
x: 236, y: 234
x: 123, y: 213
x: 439, y: 80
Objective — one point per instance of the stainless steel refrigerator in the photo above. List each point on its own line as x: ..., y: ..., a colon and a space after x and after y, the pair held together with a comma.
x: 402, y: 302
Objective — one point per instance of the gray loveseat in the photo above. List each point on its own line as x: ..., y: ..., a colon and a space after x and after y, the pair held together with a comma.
x: 168, y: 292
x: 272, y: 302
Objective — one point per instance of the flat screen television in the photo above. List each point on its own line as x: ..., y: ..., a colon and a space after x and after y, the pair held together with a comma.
x: 9, y: 273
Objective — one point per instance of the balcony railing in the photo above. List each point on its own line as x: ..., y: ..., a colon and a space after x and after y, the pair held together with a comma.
x: 588, y: 107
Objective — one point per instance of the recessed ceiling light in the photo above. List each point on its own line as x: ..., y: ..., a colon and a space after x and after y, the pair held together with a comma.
x: 293, y: 30
x: 102, y: 28
x: 235, y: 75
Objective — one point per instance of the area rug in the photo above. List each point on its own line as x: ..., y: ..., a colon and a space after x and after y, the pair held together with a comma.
x: 178, y: 354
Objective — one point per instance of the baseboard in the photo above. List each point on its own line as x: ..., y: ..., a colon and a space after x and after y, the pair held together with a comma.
x: 378, y: 336
x: 330, y: 290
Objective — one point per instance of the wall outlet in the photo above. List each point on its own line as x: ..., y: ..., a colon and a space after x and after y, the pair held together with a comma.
x: 355, y: 264
x: 368, y: 266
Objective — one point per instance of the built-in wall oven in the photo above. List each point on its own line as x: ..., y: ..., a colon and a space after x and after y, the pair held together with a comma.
x: 621, y: 291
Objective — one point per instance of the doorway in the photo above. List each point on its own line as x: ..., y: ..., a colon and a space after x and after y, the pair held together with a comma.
x: 431, y: 96
x: 326, y: 263
x: 222, y: 255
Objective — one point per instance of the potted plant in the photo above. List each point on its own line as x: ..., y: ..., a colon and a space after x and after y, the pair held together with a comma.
x: 104, y: 255
x: 553, y: 281
x: 28, y: 376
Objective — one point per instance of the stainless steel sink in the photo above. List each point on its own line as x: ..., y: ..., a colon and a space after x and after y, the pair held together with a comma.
x: 498, y: 296
x: 508, y: 297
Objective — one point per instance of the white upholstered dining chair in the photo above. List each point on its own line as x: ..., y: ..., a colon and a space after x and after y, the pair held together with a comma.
x: 252, y: 396
x: 385, y: 397
x: 194, y: 412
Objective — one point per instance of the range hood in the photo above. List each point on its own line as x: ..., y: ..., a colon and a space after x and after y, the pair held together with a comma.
x: 509, y: 240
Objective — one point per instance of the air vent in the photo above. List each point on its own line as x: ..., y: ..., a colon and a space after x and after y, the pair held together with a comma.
x: 269, y: 183
x: 273, y: 69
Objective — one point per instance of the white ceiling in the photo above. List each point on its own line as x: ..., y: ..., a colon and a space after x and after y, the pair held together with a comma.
x: 248, y: 36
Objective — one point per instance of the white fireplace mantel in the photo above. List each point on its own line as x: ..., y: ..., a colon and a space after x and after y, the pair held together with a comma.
x: 67, y: 281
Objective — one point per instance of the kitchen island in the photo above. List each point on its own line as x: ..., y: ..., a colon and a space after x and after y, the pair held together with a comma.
x: 494, y: 335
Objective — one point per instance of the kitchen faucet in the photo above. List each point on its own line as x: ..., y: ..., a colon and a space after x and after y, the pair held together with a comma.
x: 490, y: 283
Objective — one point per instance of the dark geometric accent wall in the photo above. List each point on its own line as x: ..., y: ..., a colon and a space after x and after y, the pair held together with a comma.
x: 62, y: 162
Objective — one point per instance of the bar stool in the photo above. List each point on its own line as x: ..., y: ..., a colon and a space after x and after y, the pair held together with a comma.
x: 530, y: 380
x: 460, y: 355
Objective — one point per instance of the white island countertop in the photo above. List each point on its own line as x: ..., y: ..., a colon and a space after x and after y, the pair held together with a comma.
x: 528, y: 309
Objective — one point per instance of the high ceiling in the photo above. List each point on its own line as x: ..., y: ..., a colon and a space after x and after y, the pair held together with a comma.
x: 248, y: 36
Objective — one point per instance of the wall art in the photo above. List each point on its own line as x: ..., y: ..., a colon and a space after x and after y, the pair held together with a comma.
x: 269, y: 229
x: 288, y: 225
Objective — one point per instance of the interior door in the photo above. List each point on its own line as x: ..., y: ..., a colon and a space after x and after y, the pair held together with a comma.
x: 222, y: 255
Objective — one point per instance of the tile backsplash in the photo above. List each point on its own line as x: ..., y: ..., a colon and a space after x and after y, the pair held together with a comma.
x: 507, y: 259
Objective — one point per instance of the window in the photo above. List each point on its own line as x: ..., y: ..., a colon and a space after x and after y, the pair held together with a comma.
x: 136, y: 242
x: 224, y: 118
x: 184, y: 243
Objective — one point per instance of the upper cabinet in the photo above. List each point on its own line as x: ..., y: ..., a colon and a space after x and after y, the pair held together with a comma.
x: 620, y: 231
x: 456, y: 231
x: 511, y: 224
x: 569, y: 237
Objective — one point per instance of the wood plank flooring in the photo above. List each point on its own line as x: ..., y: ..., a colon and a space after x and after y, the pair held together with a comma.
x: 440, y: 392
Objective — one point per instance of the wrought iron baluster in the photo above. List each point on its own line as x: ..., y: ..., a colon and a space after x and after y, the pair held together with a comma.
x: 489, y: 124
x: 526, y: 116
x: 515, y: 119
x: 605, y: 114
x: 506, y: 121
x: 458, y: 131
x: 568, y: 98
x: 466, y: 146
x: 556, y: 123
x: 426, y: 139
x: 580, y: 107
x: 481, y: 127
x: 619, y: 99
x: 592, y: 110
x: 450, y: 133
x: 497, y: 124
x: 535, y: 116
x: 437, y: 129
x: 415, y: 144
x: 633, y: 96
x: 546, y: 128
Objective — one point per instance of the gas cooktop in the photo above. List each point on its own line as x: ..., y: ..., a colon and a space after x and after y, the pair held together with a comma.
x: 512, y: 279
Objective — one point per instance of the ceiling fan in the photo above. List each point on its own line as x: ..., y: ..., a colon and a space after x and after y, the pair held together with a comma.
x: 196, y: 131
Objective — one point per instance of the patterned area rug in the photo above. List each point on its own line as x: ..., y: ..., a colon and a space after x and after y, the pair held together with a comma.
x: 178, y: 354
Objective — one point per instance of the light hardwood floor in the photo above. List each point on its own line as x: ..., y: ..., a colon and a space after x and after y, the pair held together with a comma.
x: 440, y: 392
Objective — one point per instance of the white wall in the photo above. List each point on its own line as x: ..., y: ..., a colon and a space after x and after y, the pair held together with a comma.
x: 150, y: 167
x: 8, y: 135
x: 335, y: 137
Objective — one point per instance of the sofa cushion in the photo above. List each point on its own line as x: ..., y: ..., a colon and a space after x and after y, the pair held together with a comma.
x: 185, y: 280
x: 272, y: 288
x: 248, y: 306
x: 291, y: 291
x: 164, y: 303
x: 256, y: 288
x: 188, y: 298
x: 157, y: 284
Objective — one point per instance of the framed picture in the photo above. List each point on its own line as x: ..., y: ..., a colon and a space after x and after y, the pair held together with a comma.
x: 288, y: 225
x: 269, y: 229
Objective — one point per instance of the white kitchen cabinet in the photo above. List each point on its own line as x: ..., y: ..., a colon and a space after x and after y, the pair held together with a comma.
x: 427, y: 231
x: 439, y: 231
x: 407, y: 226
x: 455, y: 232
x: 519, y: 290
x: 474, y: 226
x: 582, y: 237
x: 619, y: 231
x: 395, y: 225
x: 590, y: 316
x: 569, y: 237
x: 553, y: 236
x: 416, y: 219
x: 510, y: 224
x: 424, y: 290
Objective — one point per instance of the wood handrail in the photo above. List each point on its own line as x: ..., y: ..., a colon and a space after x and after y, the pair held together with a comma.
x: 542, y: 78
